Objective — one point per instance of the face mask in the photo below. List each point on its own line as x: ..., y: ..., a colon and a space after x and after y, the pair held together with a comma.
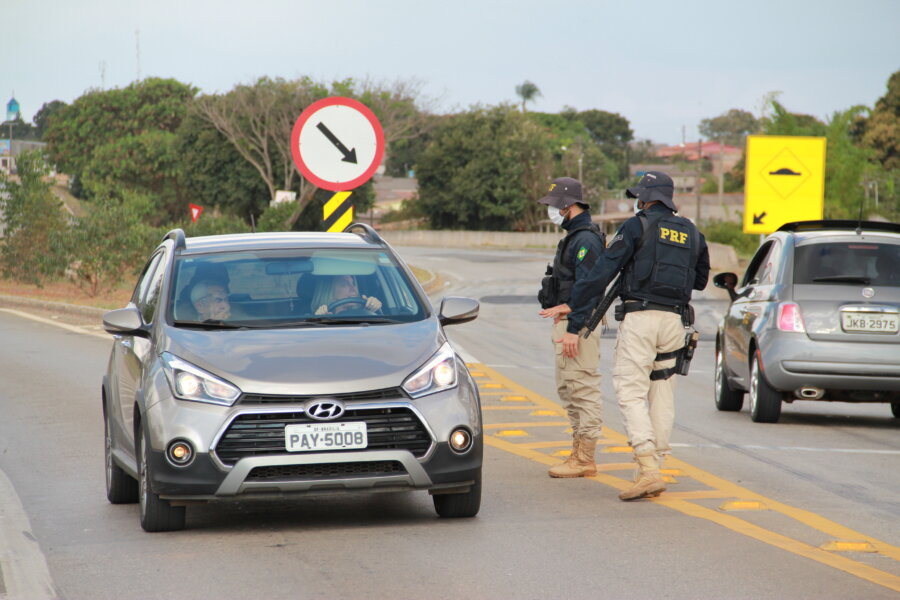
x: 637, y: 208
x: 553, y: 215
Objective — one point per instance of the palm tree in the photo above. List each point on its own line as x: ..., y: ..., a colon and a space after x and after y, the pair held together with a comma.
x: 527, y: 91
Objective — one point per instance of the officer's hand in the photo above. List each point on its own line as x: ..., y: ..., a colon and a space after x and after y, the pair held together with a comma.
x: 557, y: 312
x: 570, y: 344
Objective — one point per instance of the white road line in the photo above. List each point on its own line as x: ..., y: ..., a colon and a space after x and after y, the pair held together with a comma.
x: 24, y: 567
x: 66, y: 326
x: 791, y: 448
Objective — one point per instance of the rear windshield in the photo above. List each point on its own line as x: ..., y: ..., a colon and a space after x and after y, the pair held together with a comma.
x: 863, y: 263
x: 283, y: 288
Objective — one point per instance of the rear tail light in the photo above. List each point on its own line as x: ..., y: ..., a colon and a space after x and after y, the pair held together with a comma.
x: 790, y: 318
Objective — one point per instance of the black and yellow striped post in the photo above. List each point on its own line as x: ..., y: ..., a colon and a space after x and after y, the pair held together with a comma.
x: 338, y: 212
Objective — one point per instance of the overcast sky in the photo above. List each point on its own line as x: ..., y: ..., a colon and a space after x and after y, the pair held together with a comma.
x: 663, y: 65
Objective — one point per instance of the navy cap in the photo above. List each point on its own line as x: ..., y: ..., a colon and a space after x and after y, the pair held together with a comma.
x: 563, y: 193
x: 654, y: 186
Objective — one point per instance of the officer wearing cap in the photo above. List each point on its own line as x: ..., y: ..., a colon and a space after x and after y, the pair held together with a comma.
x: 662, y: 257
x: 577, y: 379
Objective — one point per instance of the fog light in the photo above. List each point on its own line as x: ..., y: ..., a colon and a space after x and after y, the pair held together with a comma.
x: 460, y: 440
x: 180, y: 453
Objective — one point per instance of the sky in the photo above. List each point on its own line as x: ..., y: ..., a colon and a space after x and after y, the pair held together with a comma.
x: 663, y: 65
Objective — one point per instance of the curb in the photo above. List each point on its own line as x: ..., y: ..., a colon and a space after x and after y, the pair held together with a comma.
x: 72, y: 309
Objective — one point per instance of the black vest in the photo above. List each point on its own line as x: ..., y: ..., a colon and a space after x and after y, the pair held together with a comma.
x: 564, y: 266
x: 664, y: 264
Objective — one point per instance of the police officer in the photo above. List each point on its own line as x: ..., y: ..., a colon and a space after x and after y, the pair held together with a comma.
x: 577, y: 379
x: 663, y: 257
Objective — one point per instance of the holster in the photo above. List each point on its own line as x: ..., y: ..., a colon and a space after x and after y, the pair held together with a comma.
x: 547, y: 295
x: 682, y: 356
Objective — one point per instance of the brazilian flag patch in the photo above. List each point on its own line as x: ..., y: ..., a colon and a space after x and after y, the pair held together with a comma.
x: 582, y: 252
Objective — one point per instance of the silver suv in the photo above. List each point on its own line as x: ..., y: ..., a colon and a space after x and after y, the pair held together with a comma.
x: 262, y: 366
x: 815, y: 317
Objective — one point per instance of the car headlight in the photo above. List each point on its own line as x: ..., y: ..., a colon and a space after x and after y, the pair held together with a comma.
x: 190, y: 382
x: 438, y: 374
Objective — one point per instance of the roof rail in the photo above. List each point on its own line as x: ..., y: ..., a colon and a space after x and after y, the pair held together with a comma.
x: 827, y: 224
x: 178, y: 236
x: 368, y: 232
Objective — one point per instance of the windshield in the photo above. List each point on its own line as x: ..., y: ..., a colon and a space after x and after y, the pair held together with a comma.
x: 862, y: 263
x: 291, y: 288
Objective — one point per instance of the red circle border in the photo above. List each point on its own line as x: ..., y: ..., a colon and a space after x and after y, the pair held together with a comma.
x: 295, y: 143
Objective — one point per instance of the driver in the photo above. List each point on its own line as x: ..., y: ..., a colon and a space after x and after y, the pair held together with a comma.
x: 338, y: 288
x: 210, y: 299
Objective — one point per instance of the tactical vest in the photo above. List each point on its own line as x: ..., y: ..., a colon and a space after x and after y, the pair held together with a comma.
x: 563, y: 268
x: 664, y: 264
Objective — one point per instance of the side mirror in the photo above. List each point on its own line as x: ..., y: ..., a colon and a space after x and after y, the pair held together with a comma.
x: 455, y: 310
x: 123, y: 321
x: 727, y: 281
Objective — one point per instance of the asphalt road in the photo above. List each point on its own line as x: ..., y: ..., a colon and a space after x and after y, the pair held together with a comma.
x: 790, y: 510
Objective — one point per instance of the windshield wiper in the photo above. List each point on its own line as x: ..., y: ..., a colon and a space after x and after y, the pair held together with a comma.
x: 212, y: 324
x: 843, y: 279
x: 351, y: 320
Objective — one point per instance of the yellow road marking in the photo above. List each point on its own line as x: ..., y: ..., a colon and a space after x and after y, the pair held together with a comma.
x: 743, y: 505
x: 545, y: 413
x: 683, y: 502
x: 618, y: 449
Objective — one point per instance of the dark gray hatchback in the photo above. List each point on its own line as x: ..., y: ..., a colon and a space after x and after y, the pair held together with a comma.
x: 262, y: 366
x: 816, y: 316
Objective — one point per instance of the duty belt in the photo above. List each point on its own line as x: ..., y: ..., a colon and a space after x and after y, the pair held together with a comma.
x: 636, y: 305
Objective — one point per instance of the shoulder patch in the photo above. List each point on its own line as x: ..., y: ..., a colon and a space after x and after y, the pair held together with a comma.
x: 619, y: 237
x: 582, y: 252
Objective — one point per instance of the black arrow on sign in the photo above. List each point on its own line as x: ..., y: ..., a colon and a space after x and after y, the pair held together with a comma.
x: 349, y: 155
x: 757, y: 219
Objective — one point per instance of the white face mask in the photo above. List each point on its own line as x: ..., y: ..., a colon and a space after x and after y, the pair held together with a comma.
x: 553, y: 215
x: 637, y: 208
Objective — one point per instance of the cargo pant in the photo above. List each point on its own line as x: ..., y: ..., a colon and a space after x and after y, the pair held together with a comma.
x: 578, y: 383
x: 648, y: 407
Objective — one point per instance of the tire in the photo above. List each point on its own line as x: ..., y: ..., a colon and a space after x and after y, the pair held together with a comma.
x: 727, y: 399
x: 121, y: 488
x: 895, y: 408
x: 455, y: 506
x: 156, y: 514
x: 765, y: 401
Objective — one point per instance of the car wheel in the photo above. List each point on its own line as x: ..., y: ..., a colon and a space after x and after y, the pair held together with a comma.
x: 765, y: 401
x: 895, y: 408
x: 454, y: 506
x: 121, y: 488
x: 156, y: 514
x: 727, y: 399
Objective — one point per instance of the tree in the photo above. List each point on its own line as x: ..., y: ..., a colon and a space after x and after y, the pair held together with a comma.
x: 102, y: 117
x: 33, y: 217
x: 882, y: 128
x: 730, y: 128
x: 20, y: 129
x: 44, y: 114
x: 257, y: 119
x: 527, y: 91
x: 484, y: 169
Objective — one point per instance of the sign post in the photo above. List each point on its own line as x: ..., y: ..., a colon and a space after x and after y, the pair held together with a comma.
x: 784, y: 181
x: 337, y: 144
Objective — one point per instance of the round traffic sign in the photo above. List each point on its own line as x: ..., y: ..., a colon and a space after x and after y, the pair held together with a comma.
x: 337, y: 143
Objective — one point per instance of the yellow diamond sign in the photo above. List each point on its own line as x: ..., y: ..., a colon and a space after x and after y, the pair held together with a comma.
x: 784, y: 181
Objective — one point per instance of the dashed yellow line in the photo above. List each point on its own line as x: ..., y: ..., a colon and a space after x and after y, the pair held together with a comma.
x: 736, y: 497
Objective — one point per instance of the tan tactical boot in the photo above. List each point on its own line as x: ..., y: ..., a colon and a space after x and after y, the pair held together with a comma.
x: 650, y: 483
x: 580, y: 463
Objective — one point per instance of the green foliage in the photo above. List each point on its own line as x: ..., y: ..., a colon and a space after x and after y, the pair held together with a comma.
x: 44, y: 114
x: 102, y: 117
x: 845, y: 165
x: 730, y: 233
x: 111, y: 240
x: 882, y: 129
x: 275, y: 218
x: 211, y: 224
x: 33, y: 217
x: 527, y: 91
x: 19, y: 129
x: 730, y: 128
x: 484, y: 169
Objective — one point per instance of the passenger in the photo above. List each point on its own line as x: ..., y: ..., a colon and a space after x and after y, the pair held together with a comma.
x: 341, y: 287
x: 210, y: 300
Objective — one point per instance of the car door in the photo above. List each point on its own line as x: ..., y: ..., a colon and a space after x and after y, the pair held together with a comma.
x: 749, y: 307
x: 131, y: 351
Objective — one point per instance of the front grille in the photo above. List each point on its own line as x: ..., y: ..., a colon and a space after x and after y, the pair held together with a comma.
x: 327, y: 471
x: 365, y: 396
x: 262, y: 434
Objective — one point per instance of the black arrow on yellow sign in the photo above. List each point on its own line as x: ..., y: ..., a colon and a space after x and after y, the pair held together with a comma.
x: 758, y: 218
